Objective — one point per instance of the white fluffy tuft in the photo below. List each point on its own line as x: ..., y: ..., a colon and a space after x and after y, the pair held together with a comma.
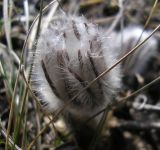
x: 71, y: 53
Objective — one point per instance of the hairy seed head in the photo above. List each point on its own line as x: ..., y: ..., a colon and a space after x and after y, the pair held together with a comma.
x: 70, y: 54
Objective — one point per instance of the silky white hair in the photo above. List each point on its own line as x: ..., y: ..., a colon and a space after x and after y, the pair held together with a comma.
x: 69, y: 55
x: 129, y: 38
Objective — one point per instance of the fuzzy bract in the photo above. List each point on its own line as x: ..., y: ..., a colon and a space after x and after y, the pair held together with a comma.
x: 69, y: 55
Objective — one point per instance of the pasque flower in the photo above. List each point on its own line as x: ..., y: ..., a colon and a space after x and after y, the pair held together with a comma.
x: 70, y: 54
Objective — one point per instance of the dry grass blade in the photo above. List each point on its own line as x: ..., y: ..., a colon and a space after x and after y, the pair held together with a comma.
x: 38, y: 124
x: 11, y: 112
x: 12, y: 53
x: 7, y: 85
x: 7, y: 22
x: 15, y: 56
x: 90, y: 2
x: 40, y: 133
x: 117, y: 19
x: 26, y: 10
x: 150, y: 14
x: 4, y: 133
x: 121, y: 21
x: 98, y: 130
x: 50, y: 15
